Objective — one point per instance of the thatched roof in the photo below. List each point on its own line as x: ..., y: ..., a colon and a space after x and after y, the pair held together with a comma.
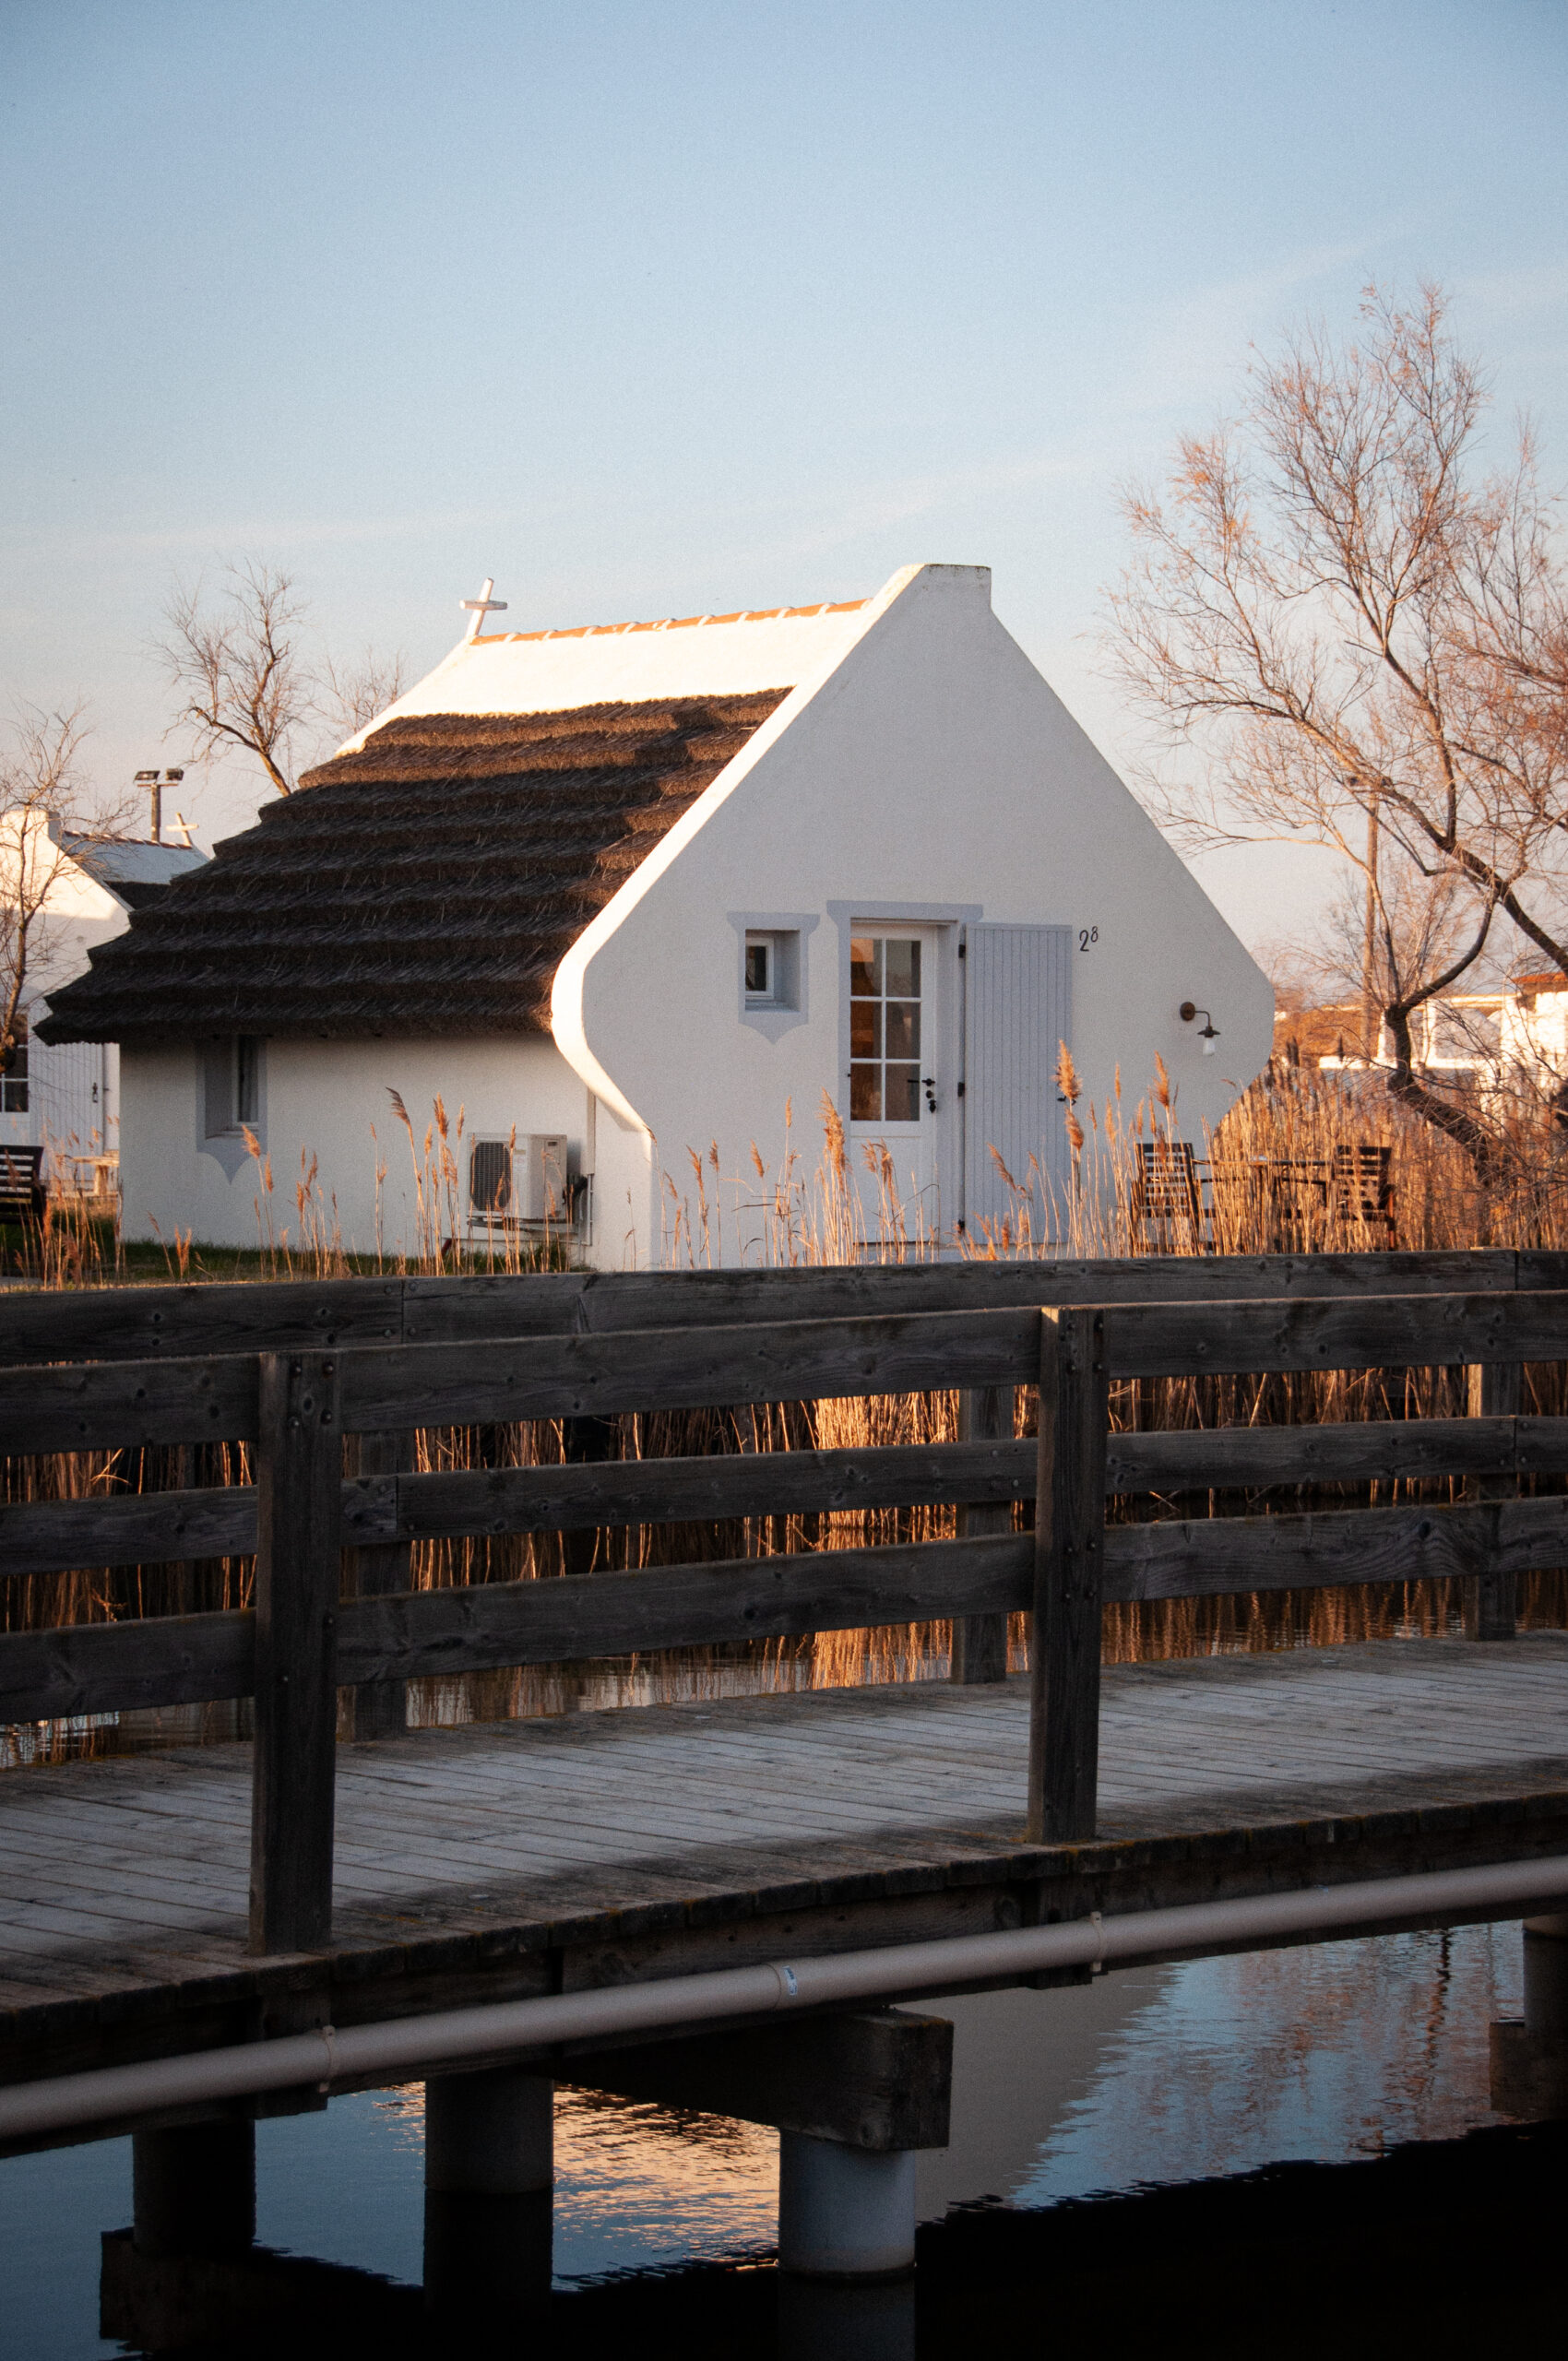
x: 427, y: 883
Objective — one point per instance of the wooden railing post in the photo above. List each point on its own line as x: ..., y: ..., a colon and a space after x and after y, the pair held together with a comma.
x: 380, y: 1708
x: 1496, y: 1389
x: 298, y: 1519
x: 1069, y: 1556
x: 979, y: 1642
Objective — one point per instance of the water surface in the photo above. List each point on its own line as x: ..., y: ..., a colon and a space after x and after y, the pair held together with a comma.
x: 1154, y: 2077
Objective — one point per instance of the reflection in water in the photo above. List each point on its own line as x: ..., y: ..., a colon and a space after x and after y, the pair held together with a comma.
x: 634, y: 2183
x: 1336, y: 2050
x: 1160, y: 2075
x: 655, y: 2184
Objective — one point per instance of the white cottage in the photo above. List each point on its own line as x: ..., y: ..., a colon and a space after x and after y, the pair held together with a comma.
x: 63, y: 1096
x: 622, y: 892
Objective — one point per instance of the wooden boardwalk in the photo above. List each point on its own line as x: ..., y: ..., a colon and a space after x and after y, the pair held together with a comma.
x: 500, y: 1858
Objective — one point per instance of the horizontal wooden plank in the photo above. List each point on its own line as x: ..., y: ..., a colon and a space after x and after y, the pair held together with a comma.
x: 1541, y: 1446
x: 167, y: 1660
x: 448, y: 1310
x: 647, y: 1491
x: 148, y: 1528
x: 1208, y: 1556
x: 577, y: 1616
x: 101, y: 1405
x: 142, y: 1322
x: 116, y: 1667
x: 187, y: 1659
x: 676, y: 1367
x: 125, y: 1529
x: 1394, y: 1332
x: 1190, y: 1459
x: 119, y: 1324
x: 552, y: 1376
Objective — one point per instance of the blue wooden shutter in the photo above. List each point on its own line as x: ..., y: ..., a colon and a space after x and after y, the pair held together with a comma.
x: 1017, y: 1011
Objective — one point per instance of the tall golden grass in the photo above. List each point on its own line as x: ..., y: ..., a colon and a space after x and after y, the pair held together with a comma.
x: 1264, y: 1182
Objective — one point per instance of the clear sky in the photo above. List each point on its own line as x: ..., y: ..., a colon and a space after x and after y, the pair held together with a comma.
x: 670, y: 309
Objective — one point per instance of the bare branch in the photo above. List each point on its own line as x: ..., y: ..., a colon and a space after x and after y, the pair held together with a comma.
x: 351, y: 696
x: 246, y: 683
x: 234, y: 666
x: 41, y: 796
x: 1331, y: 619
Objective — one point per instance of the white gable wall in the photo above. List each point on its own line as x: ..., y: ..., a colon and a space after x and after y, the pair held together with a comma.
x: 932, y: 775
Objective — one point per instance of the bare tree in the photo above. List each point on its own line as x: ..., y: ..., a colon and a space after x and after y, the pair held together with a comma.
x: 40, y: 796
x: 234, y: 663
x: 1361, y: 637
x: 1379, y: 937
x: 349, y: 697
x: 248, y: 684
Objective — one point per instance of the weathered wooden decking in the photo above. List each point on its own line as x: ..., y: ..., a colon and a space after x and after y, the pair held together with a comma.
x: 496, y: 1860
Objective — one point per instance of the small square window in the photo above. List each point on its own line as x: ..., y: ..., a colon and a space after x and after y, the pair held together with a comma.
x: 231, y: 1087
x: 770, y: 994
x: 773, y: 970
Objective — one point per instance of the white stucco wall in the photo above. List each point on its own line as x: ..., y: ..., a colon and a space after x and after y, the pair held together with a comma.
x: 930, y: 772
x: 325, y: 1099
x: 72, y: 1095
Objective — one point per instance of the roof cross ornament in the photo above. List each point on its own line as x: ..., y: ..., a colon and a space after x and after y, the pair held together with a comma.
x: 481, y: 607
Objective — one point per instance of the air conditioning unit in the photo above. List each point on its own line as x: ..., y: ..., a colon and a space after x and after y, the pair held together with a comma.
x: 520, y: 1179
x: 539, y: 1178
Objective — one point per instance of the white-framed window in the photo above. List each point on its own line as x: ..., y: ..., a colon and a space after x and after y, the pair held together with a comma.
x: 772, y: 968
x: 231, y: 1087
x: 14, y: 1084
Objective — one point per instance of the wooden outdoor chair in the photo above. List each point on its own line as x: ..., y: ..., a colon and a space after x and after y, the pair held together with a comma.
x: 22, y: 1193
x: 1296, y: 1193
x: 1363, y: 1184
x: 1167, y: 1196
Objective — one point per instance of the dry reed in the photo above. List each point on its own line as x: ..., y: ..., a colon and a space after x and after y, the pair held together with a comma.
x: 1266, y: 1183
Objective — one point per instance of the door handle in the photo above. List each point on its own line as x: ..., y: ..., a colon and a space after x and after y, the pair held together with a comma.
x: 928, y: 1084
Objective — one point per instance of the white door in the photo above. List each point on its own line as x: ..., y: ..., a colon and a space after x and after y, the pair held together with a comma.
x: 894, y: 1095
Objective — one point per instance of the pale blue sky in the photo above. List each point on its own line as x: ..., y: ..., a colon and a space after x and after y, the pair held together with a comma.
x: 653, y: 310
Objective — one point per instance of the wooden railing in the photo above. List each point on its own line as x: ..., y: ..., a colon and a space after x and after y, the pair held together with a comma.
x: 296, y: 1401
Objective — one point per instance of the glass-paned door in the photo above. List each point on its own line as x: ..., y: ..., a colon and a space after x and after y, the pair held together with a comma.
x: 886, y: 1028
x: 894, y: 1097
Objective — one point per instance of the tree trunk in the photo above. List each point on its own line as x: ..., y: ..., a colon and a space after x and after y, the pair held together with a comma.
x: 1479, y: 1144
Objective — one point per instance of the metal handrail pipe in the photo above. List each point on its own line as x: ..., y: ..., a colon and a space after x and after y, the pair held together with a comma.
x: 406, y: 2048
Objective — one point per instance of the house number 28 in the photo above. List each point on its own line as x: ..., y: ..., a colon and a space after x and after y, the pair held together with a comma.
x: 1088, y: 934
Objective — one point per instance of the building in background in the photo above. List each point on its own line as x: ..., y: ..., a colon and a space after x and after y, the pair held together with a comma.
x: 1511, y: 1045
x: 626, y: 895
x: 65, y: 1097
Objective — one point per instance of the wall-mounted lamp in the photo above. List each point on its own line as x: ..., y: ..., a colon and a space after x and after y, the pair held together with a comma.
x: 1210, y: 1032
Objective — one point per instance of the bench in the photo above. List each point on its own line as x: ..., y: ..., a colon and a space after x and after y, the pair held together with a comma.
x: 22, y: 1193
